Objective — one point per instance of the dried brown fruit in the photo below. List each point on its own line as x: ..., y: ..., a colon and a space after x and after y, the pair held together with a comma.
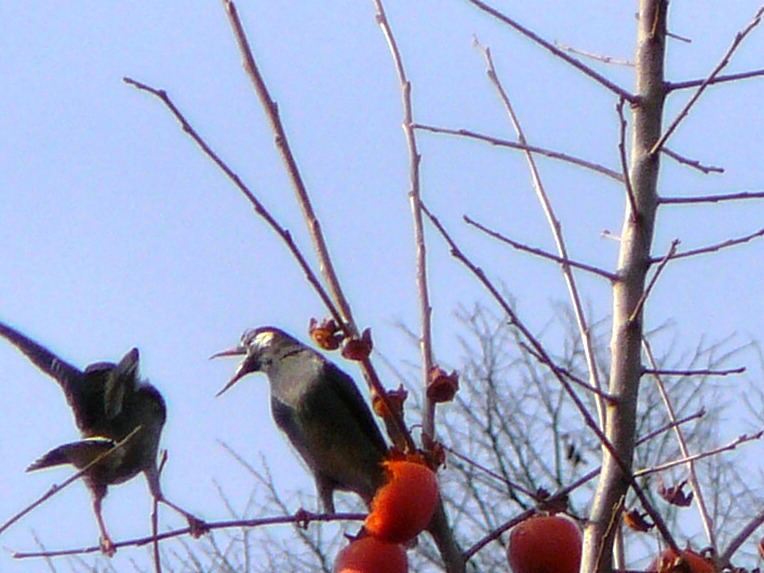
x: 442, y: 386
x: 637, y: 521
x: 358, y: 348
x: 326, y: 334
x: 395, y: 398
x: 675, y: 494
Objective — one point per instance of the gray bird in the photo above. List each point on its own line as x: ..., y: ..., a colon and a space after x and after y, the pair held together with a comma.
x: 110, y: 403
x: 320, y: 409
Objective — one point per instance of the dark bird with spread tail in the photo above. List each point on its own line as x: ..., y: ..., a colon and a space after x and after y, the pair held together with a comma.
x: 320, y: 409
x: 111, y: 404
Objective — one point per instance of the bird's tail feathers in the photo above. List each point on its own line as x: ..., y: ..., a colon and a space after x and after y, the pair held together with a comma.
x: 79, y: 454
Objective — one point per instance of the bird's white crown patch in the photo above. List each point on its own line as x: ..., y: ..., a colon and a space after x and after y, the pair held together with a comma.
x: 264, y: 339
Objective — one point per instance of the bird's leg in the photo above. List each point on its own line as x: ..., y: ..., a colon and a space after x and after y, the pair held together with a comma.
x: 197, y: 527
x: 325, y: 490
x: 107, y: 545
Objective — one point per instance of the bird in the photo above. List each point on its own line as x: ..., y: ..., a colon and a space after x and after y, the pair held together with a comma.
x: 321, y: 411
x: 120, y: 418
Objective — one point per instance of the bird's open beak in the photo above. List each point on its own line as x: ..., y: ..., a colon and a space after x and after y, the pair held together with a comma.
x: 249, y: 364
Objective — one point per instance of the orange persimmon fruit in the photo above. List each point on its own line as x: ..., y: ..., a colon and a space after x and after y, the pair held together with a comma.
x: 668, y: 561
x: 370, y: 555
x: 403, y: 507
x: 545, y: 544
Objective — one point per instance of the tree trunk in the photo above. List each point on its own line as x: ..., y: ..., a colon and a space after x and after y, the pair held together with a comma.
x: 633, y: 264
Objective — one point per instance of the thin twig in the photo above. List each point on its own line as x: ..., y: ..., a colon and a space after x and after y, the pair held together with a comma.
x: 580, y: 66
x: 282, y: 144
x: 664, y: 261
x: 673, y: 86
x: 739, y: 37
x: 499, y: 142
x: 281, y: 231
x: 489, y: 472
x: 694, y: 163
x: 593, y: 56
x: 683, y: 448
x: 425, y: 307
x: 624, y: 161
x: 326, y: 266
x: 737, y: 541
x: 673, y: 424
x: 55, y: 489
x: 718, y: 246
x: 259, y: 208
x: 561, y: 493
x: 540, y: 252
x: 742, y: 439
x: 698, y: 372
x: 556, y: 228
x: 743, y: 195
x: 514, y: 319
x: 301, y: 517
x: 572, y: 377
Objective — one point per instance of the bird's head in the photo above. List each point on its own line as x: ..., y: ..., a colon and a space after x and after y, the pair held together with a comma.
x: 258, y: 346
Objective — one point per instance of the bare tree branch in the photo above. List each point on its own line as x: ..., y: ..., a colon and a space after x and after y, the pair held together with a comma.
x: 55, y: 489
x: 739, y: 37
x: 314, y: 228
x: 694, y: 482
x: 694, y: 372
x: 593, y: 56
x: 743, y: 195
x: 425, y: 307
x: 628, y: 297
x: 301, y: 517
x: 664, y: 261
x: 498, y: 142
x: 742, y: 439
x: 539, y: 348
x: 622, y: 155
x: 259, y: 208
x: 282, y: 144
x: 580, y: 66
x: 673, y: 86
x: 539, y: 252
x: 718, y: 246
x: 556, y: 228
x: 692, y: 162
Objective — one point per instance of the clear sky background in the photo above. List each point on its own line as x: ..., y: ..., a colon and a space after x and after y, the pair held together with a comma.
x: 116, y: 232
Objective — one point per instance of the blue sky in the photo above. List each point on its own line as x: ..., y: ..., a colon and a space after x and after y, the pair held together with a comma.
x: 116, y: 232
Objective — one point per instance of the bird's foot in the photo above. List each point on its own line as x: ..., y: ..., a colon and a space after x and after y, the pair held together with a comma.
x: 107, y: 546
x: 303, y: 517
x: 197, y: 527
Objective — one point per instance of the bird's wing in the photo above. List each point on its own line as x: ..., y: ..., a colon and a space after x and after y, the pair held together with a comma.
x: 348, y: 392
x: 121, y: 382
x: 69, y: 377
